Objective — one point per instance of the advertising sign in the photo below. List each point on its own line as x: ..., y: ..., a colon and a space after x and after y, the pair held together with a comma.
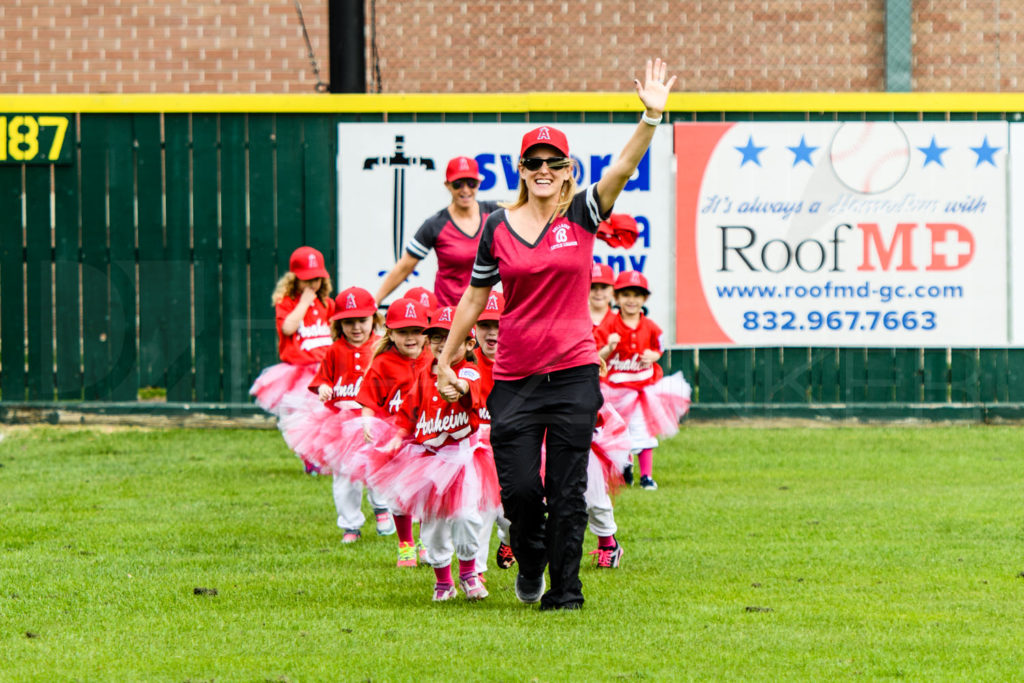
x: 391, y: 179
x: 842, y: 234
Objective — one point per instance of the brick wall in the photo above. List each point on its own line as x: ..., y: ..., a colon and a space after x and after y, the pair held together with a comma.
x: 133, y: 46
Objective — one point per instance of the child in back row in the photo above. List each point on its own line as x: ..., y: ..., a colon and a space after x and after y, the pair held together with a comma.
x: 441, y: 471
x: 397, y: 360
x: 315, y: 430
x: 302, y: 308
x: 630, y: 343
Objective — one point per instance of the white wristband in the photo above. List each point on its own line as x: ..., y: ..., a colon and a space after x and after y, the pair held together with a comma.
x: 649, y: 121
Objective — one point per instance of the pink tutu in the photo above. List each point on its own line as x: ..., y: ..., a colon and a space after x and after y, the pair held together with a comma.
x: 663, y: 403
x: 442, y: 484
x: 609, y: 450
x: 312, y: 428
x: 277, y: 381
x: 349, y: 454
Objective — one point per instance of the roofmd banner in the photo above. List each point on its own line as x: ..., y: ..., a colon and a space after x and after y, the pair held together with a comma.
x: 391, y: 179
x: 842, y: 234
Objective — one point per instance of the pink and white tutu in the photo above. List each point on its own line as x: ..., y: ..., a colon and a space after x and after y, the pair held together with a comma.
x: 662, y: 404
x: 609, y: 453
x: 349, y: 454
x: 279, y: 380
x: 444, y: 484
x: 311, y: 428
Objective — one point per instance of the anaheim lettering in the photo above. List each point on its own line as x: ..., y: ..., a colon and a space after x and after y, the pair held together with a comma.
x: 348, y: 390
x: 438, y: 424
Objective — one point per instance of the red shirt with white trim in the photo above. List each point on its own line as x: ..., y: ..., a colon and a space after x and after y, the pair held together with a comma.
x: 624, y: 369
x: 309, y: 343
x: 432, y: 421
x: 546, y: 323
x: 455, y: 251
x: 486, y: 367
x: 343, y: 368
x: 389, y: 380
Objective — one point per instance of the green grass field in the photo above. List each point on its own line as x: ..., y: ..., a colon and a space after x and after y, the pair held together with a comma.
x: 768, y: 554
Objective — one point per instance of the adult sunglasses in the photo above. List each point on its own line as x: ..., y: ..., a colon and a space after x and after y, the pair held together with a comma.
x: 554, y: 163
x: 471, y: 182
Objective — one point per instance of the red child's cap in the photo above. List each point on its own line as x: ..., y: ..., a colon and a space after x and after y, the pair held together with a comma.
x: 494, y: 308
x: 406, y: 313
x: 631, y: 279
x: 423, y: 295
x: 602, y: 274
x: 545, y: 135
x: 620, y: 230
x: 354, y: 302
x: 306, y: 263
x: 461, y: 167
x: 441, y: 319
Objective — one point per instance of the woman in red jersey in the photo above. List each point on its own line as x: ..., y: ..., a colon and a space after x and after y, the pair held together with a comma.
x: 546, y: 388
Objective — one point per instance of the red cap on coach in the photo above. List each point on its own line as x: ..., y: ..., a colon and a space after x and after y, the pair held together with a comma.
x: 462, y: 167
x: 423, y: 295
x: 494, y: 308
x: 634, y: 279
x: 306, y: 263
x: 545, y: 135
x: 354, y: 302
x: 406, y: 313
x: 602, y: 274
x: 441, y: 319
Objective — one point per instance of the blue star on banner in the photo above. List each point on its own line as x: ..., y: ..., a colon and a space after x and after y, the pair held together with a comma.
x: 802, y: 152
x: 985, y: 152
x: 750, y: 151
x: 933, y: 153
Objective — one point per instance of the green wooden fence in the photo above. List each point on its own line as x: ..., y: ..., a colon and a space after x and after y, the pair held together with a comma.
x: 149, y: 262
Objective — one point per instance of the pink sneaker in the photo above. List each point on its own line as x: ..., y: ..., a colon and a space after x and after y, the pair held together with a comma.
x: 473, y: 587
x: 442, y: 593
x: 406, y: 555
x: 351, y: 536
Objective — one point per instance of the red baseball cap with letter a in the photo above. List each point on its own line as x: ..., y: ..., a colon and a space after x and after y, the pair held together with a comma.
x: 545, y: 135
x: 462, y: 167
x: 441, y: 319
x: 631, y: 279
x: 307, y: 263
x: 354, y: 302
x: 423, y: 295
x: 602, y: 274
x: 494, y: 308
x: 406, y: 313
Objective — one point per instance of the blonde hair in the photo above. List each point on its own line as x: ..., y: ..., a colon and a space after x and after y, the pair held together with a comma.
x: 564, y: 198
x: 288, y: 286
x: 385, y: 343
x: 336, y: 332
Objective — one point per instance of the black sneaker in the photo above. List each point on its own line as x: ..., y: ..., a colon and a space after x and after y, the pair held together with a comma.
x: 627, y: 474
x: 504, y: 558
x: 529, y: 590
x: 648, y: 483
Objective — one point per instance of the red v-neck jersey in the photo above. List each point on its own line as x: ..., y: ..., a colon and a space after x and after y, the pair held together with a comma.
x: 546, y: 324
x: 455, y: 251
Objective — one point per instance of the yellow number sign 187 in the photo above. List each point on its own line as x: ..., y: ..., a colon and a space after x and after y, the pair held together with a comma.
x: 29, y: 138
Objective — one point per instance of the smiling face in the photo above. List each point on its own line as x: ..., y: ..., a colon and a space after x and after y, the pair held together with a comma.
x: 544, y: 182
x: 600, y: 296
x: 487, y: 337
x: 463, y: 191
x: 409, y: 341
x: 357, y: 330
x: 631, y: 300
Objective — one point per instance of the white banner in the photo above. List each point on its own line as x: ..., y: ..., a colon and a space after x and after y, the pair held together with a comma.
x: 842, y: 234
x: 391, y: 178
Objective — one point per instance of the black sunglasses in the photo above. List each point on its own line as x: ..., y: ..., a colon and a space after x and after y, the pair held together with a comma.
x: 471, y: 182
x: 554, y: 163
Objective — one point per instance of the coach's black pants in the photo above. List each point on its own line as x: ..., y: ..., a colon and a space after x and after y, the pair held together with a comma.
x: 559, y: 409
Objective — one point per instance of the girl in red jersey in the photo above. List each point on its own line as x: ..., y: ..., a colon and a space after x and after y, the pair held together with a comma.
x: 630, y: 343
x: 302, y: 308
x: 397, y: 360
x: 453, y: 233
x: 602, y: 280
x: 546, y: 387
x: 315, y: 431
x: 441, y: 470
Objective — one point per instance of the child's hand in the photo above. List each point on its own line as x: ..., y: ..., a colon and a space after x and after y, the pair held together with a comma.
x: 308, y: 296
x: 394, y: 444
x: 613, y: 340
x: 649, y: 357
x: 446, y: 383
x: 367, y: 436
x: 324, y: 392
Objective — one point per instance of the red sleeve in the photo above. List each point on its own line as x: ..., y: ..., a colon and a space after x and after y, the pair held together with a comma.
x: 283, y: 309
x: 405, y: 419
x: 472, y: 399
x: 373, y: 392
x: 325, y: 372
x: 602, y: 331
x: 656, y: 333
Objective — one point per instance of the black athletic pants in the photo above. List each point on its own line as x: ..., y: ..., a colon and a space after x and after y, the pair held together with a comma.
x: 548, y: 520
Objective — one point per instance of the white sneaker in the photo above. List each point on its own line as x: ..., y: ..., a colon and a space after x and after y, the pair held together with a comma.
x: 385, y: 523
x: 473, y: 587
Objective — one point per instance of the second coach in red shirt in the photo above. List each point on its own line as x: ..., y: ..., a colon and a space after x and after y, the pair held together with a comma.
x: 546, y: 390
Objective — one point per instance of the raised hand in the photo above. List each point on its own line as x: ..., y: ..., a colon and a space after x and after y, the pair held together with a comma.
x: 654, y: 90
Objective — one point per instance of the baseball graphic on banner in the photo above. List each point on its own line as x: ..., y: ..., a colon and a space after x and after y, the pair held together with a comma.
x: 870, y: 157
